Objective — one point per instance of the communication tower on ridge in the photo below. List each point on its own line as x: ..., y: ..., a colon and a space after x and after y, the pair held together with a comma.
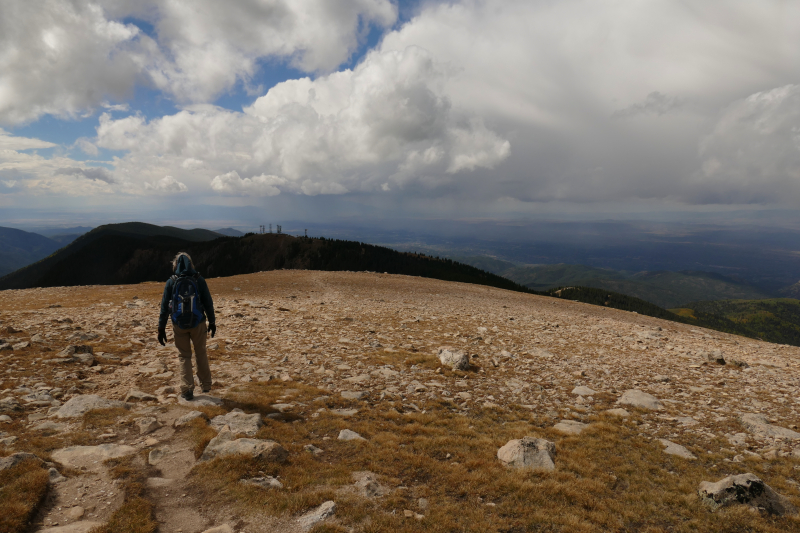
x: 279, y: 228
x: 270, y: 228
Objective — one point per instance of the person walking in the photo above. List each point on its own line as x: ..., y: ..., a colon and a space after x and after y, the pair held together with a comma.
x: 187, y: 302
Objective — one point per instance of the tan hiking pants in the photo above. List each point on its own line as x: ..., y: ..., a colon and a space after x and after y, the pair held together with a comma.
x: 184, y: 339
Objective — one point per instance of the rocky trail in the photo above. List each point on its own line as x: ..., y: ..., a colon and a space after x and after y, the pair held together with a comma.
x: 363, y: 401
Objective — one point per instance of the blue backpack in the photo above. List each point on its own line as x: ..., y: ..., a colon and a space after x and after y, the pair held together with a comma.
x: 185, y: 308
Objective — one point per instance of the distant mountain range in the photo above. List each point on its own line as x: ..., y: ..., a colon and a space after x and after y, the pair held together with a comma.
x: 19, y: 248
x: 136, y: 252
x: 664, y: 289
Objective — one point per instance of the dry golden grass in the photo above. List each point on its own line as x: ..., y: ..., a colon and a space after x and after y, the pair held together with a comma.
x: 136, y: 515
x: 608, y: 479
x: 22, y: 488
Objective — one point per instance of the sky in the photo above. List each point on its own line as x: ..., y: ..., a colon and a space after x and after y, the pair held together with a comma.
x: 179, y: 111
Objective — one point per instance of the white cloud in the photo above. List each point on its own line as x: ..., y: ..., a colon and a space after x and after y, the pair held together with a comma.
x: 68, y: 57
x: 12, y: 142
x: 91, y: 173
x: 263, y: 185
x: 167, y: 184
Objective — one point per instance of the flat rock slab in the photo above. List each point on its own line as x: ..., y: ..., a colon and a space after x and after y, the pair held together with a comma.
x: 583, y: 391
x: 528, y: 452
x: 239, y: 422
x: 91, y: 457
x: 745, y: 489
x: 617, y: 412
x: 637, y: 398
x: 344, y: 412
x: 77, y: 527
x: 203, y: 400
x: 570, y: 427
x: 354, y: 395
x: 80, y: 405
x: 759, y: 425
x: 315, y: 516
x: 188, y: 417
x: 266, y: 482
x: 225, y: 444
x: 673, y: 448
x: 224, y: 528
x: 139, y: 396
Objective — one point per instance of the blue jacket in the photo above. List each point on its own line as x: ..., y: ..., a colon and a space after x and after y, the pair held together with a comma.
x: 184, y: 269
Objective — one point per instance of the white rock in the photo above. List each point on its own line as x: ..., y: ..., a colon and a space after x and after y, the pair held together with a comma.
x: 238, y: 422
x: 315, y: 516
x: 637, y: 398
x: 139, y: 396
x: 583, y: 391
x: 528, y: 452
x: 570, y: 427
x: 745, y: 489
x: 347, y: 434
x: 267, y: 482
x: 225, y: 444
x: 147, y: 425
x: 759, y: 425
x: 80, y: 405
x: 672, y: 448
x: 455, y: 359
x: 617, y: 412
x: 188, y: 417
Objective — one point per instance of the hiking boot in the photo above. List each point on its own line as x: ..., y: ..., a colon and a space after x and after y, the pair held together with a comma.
x: 188, y: 395
x: 207, y: 390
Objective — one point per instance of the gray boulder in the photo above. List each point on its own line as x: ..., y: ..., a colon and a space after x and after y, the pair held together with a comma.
x: 455, y: 359
x: 147, y: 425
x: 745, y: 489
x: 759, y: 425
x: 315, y: 516
x: 637, y: 398
x: 528, y: 452
x: 226, y: 444
x: 80, y: 405
x: 14, y: 459
x: 238, y: 422
x: 347, y: 434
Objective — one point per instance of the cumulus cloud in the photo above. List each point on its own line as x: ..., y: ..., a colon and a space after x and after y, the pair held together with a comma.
x: 68, y: 57
x: 263, y: 185
x: 167, y: 184
x: 344, y: 132
x: 91, y: 173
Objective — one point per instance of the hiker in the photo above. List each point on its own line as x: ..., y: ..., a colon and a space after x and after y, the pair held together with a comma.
x: 187, y: 302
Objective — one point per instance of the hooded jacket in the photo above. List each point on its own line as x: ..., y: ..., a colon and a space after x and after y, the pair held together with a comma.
x: 184, y: 268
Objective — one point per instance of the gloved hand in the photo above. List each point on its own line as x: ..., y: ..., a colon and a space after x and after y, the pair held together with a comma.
x: 162, y: 336
x: 212, y: 328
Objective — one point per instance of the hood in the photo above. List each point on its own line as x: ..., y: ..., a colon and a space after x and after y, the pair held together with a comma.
x: 184, y: 267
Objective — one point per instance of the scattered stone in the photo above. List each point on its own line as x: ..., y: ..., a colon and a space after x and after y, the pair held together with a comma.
x: 147, y: 425
x: 353, y: 395
x: 201, y: 400
x: 570, y: 427
x: 368, y: 485
x: 80, y: 405
x: 344, y: 412
x: 156, y: 482
x: 637, y: 398
x: 139, y: 396
x: 618, y: 412
x: 225, y: 444
x: 75, y: 513
x: 759, y: 425
x: 746, y: 489
x: 21, y: 345
x: 91, y: 457
x: 78, y: 353
x: 238, y: 422
x: 583, y: 391
x: 673, y: 448
x: 49, y: 427
x: 315, y: 516
x: 9, y: 405
x: 715, y: 357
x: 54, y: 476
x: 267, y: 482
x: 455, y: 359
x: 14, y: 459
x: 155, y: 456
x: 310, y: 448
x: 347, y: 434
x: 528, y: 452
x: 188, y: 417
x: 5, y: 419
